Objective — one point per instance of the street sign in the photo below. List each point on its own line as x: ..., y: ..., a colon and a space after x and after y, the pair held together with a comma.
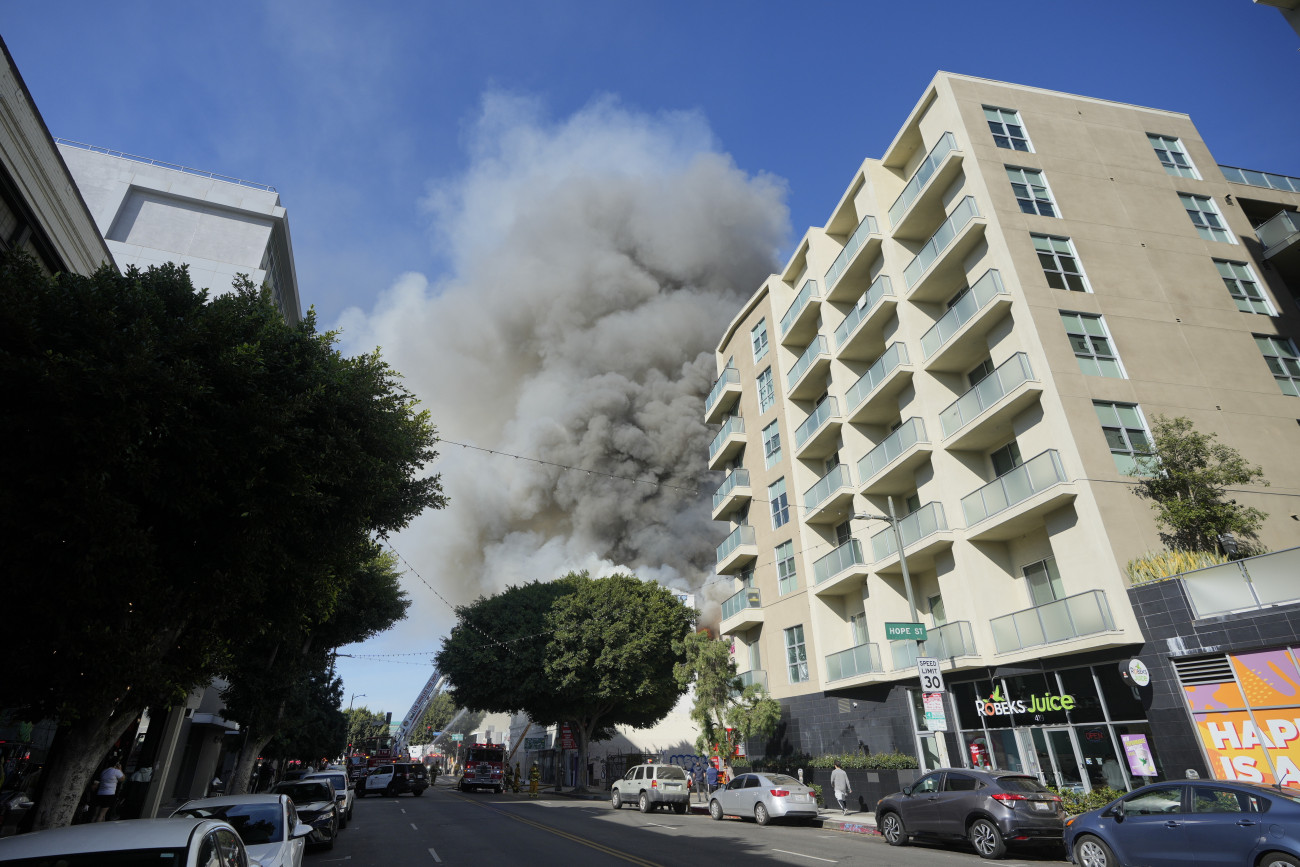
x: 458, y: 737
x: 936, y: 719
x: 931, y: 679
x: 905, y: 631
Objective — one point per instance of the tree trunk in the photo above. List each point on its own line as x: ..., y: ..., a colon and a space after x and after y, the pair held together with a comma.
x: 244, y: 767
x: 73, y: 760
x: 584, y: 738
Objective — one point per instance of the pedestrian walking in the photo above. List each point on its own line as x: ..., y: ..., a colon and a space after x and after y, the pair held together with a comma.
x: 106, y: 795
x: 711, y: 777
x: 840, y: 783
x: 697, y: 778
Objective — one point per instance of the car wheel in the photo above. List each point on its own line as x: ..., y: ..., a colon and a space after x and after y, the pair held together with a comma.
x: 891, y: 827
x: 761, y: 815
x: 715, y: 810
x: 987, y: 839
x: 616, y: 800
x: 334, y: 832
x: 1278, y: 859
x: 1090, y: 851
x: 415, y: 793
x: 679, y: 809
x: 643, y: 804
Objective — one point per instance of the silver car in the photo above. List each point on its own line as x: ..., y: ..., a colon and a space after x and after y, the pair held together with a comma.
x: 651, y: 786
x: 764, y: 797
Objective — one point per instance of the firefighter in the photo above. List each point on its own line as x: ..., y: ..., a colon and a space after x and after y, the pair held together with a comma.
x: 519, y: 779
x: 510, y: 779
x: 534, y: 778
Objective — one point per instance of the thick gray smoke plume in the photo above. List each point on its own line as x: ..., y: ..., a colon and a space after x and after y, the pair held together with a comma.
x: 594, y: 266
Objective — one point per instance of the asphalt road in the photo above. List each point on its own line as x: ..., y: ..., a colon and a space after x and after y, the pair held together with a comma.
x: 444, y: 826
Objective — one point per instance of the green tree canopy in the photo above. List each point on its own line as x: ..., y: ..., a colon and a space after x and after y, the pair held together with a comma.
x: 722, y: 700
x: 364, y: 724
x: 437, y: 717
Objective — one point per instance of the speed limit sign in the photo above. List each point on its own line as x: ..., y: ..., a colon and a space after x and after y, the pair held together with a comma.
x: 931, y: 678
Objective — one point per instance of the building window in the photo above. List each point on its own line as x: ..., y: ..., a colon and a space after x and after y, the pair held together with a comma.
x: 766, y: 393
x: 747, y: 579
x: 843, y: 533
x: 937, y: 612
x: 858, y: 629
x: 1205, y: 217
x: 772, y: 444
x: 1005, y: 459
x: 1243, y: 287
x: 1044, y: 582
x: 1172, y: 156
x: 1281, y: 356
x: 979, y: 372
x: 786, y: 580
x: 758, y: 334
x: 1031, y: 191
x: 1092, y: 345
x: 796, y: 655
x: 1060, y: 264
x: 780, y: 504
x: 1126, y: 433
x: 1008, y: 131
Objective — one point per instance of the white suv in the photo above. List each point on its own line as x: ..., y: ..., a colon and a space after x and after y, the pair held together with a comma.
x: 650, y: 786
x: 342, y: 785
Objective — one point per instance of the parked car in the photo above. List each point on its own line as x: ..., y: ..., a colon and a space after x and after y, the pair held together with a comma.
x: 178, y: 842
x: 317, y: 806
x: 343, y: 791
x: 651, y: 786
x: 1176, y: 823
x: 268, y: 825
x: 394, y: 779
x: 988, y: 808
x: 764, y: 797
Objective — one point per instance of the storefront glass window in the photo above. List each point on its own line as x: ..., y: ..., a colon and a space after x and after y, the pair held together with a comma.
x: 1122, y: 700
x: 1140, y: 753
x: 1079, y: 685
x: 1034, y: 700
x: 1006, y: 750
x: 964, y: 695
x: 1103, y: 767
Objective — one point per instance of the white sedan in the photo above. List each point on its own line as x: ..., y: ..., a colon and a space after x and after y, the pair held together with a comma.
x: 268, y: 825
x: 183, y: 842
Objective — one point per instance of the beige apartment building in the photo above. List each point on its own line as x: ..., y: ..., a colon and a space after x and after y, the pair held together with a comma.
x: 977, y: 339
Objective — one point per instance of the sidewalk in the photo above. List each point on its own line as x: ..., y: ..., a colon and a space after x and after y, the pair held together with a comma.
x: 863, y: 822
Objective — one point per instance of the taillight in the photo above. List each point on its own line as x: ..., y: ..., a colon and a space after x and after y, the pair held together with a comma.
x: 654, y: 784
x: 779, y: 793
x: 1007, y: 796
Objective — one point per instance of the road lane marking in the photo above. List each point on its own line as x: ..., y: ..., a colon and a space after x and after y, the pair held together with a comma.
x: 600, y: 847
x: 413, y: 828
x: 435, y: 855
x: 802, y: 855
x: 657, y: 825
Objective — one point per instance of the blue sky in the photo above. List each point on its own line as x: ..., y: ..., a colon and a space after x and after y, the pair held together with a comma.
x: 366, y: 117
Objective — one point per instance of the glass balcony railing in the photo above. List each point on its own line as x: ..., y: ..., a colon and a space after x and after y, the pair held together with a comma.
x: 942, y: 642
x: 837, y: 478
x: 754, y: 676
x: 730, y: 376
x: 859, y: 237
x: 985, y: 393
x: 1277, y: 229
x: 735, y: 479
x: 907, y: 435
x: 881, y: 288
x: 733, y: 425
x: 826, y: 410
x: 891, y: 358
x: 946, y: 144
x: 748, y: 597
x: 815, y: 349
x: 862, y: 659
x: 1074, y: 616
x: 965, y: 211
x: 985, y: 290
x: 1034, y: 475
x: 925, y: 521
x: 1267, y: 180
x: 802, y: 300
x: 846, y: 555
x: 742, y: 535
x: 1243, y: 585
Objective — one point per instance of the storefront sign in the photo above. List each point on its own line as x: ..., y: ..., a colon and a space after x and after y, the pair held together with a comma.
x: 936, y: 719
x: 567, y: 741
x: 998, y: 705
x: 1135, y: 673
x: 1138, y: 751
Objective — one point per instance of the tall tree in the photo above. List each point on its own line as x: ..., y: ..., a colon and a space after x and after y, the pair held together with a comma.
x: 728, y: 711
x: 1186, y: 477
x: 363, y: 724
x: 437, y: 717
x: 197, y: 473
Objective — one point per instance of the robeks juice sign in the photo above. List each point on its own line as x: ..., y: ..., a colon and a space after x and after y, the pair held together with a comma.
x: 998, y: 705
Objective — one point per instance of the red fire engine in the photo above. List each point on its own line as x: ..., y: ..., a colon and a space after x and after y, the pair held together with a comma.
x: 485, y: 766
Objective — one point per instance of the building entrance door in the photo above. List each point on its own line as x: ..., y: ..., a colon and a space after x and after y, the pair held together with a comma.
x: 1058, y: 759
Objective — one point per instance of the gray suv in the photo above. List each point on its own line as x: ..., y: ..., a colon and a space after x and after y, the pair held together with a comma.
x: 651, y: 786
x: 988, y: 808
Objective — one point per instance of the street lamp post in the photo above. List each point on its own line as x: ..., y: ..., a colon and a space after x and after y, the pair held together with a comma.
x: 355, y: 696
x: 892, y: 518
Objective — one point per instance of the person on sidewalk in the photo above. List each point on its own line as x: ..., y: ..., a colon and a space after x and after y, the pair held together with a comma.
x: 840, y: 783
x: 534, y: 778
x: 106, y: 794
x: 711, y: 777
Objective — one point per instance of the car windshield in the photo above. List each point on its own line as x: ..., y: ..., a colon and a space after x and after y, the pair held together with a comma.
x: 486, y: 755
x: 1022, y: 784
x: 783, y: 780
x: 339, y: 780
x: 256, y: 823
x: 670, y: 772
x: 127, y: 858
x: 304, y: 793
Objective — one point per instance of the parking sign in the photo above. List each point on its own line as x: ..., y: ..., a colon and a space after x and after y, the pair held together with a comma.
x: 931, y: 678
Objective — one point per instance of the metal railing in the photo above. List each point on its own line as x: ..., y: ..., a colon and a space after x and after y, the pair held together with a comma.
x: 846, y: 555
x: 908, y: 434
x: 734, y: 479
x: 1085, y: 613
x: 742, y: 535
x: 925, y: 521
x: 868, y: 382
x: 868, y: 302
x: 985, y: 393
x: 1277, y: 229
x: 838, y: 477
x: 1015, y: 486
x: 753, y: 676
x: 815, y: 349
x: 866, y: 228
x: 164, y: 165
x: 946, y: 144
x: 1242, y: 585
x: 943, y: 642
x: 828, y: 409
x: 738, y: 602
x: 802, y: 300
x: 733, y: 425
x: 863, y: 659
x: 986, y: 288
x: 730, y: 376
x: 1267, y: 180
x: 965, y: 211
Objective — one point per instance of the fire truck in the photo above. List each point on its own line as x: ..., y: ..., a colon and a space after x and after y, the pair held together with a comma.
x: 485, y: 767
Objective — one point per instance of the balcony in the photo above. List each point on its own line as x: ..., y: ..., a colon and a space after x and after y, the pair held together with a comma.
x: 840, y: 572
x: 982, y: 417
x: 733, y: 493
x: 737, y: 550
x: 1267, y: 180
x: 807, y: 378
x: 753, y: 677
x: 856, y: 661
x: 831, y: 499
x: 741, y: 611
x: 728, y: 442
x: 800, y: 321
x: 950, y: 641
x: 890, y: 467
x: 873, y: 399
x: 1072, y: 617
x: 860, y: 335
x: 1244, y: 585
x: 853, y: 264
x: 1015, y: 502
x: 959, y: 340
x: 920, y: 205
x: 723, y: 396
x: 925, y: 533
x: 937, y: 269
x: 1280, y: 234
x: 816, y: 437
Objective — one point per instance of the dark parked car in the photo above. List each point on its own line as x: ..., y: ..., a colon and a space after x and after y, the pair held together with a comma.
x: 317, y: 806
x: 988, y: 808
x: 1202, y: 822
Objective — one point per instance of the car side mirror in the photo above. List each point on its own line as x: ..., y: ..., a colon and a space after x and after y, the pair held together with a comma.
x: 1117, y: 812
x: 302, y: 829
x: 907, y: 791
x: 341, y: 796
